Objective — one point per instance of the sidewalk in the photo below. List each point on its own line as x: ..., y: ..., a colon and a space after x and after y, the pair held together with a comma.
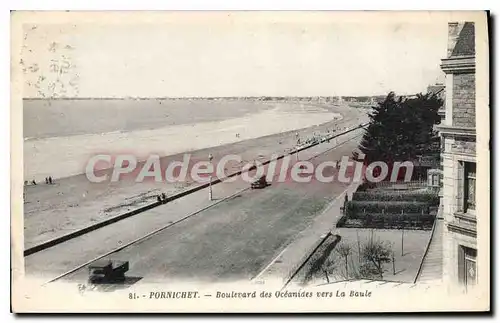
x: 294, y: 254
x: 432, y: 265
x: 288, y: 261
x: 60, y: 258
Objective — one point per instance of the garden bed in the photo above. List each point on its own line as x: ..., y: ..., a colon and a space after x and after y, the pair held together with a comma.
x: 386, y: 207
x: 385, y: 221
x: 427, y: 196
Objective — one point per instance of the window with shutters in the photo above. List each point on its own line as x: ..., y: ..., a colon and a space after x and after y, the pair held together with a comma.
x: 469, y: 187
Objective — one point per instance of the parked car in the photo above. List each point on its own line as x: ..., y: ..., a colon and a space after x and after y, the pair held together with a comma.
x: 107, y: 271
x: 259, y: 183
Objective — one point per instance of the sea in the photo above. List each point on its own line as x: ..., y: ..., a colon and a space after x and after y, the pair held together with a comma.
x: 60, y: 135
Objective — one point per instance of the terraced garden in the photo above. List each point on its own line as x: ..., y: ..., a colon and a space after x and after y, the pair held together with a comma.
x: 398, y: 206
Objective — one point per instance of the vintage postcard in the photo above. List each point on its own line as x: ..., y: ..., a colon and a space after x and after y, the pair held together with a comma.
x: 250, y: 161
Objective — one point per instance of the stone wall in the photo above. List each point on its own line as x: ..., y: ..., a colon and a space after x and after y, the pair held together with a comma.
x: 464, y: 95
x: 451, y: 243
x: 457, y: 151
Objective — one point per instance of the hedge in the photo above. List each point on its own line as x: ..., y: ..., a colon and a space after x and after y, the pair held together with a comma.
x: 386, y: 207
x: 428, y: 197
x: 392, y: 217
x: 380, y: 222
x: 407, y: 221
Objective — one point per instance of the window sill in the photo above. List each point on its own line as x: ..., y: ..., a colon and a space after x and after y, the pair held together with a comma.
x: 463, y: 223
x: 468, y: 217
x: 463, y: 228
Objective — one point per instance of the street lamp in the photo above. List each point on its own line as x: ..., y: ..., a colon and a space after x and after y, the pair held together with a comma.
x: 297, y: 147
x: 210, y: 157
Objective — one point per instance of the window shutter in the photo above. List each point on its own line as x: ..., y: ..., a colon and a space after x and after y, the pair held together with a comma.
x: 461, y: 264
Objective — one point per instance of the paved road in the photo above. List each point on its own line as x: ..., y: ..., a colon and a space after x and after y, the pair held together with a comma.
x: 235, y: 239
x: 231, y: 240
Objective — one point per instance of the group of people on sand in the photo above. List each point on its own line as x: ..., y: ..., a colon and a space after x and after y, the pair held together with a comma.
x: 162, y: 198
x: 318, y: 137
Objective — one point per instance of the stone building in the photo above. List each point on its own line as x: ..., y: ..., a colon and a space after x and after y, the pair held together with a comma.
x: 435, y: 175
x: 458, y: 133
x: 439, y: 90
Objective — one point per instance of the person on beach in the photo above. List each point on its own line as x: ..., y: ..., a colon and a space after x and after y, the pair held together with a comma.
x: 50, y: 179
x: 164, y: 197
x: 33, y: 182
x: 46, y: 180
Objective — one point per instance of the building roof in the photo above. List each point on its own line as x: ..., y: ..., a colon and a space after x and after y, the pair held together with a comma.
x: 465, y: 44
x: 435, y: 89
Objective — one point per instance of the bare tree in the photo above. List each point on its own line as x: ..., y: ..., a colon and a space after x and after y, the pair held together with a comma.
x: 344, y: 250
x: 328, y: 268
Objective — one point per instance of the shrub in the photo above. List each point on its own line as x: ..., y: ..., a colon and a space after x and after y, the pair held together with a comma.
x: 428, y: 197
x: 406, y: 216
x: 376, y: 253
x: 390, y: 221
x: 369, y: 271
x: 385, y: 207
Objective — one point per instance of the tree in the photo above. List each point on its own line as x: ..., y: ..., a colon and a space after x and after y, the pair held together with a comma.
x: 344, y: 250
x: 328, y: 268
x: 402, y: 129
x: 374, y: 254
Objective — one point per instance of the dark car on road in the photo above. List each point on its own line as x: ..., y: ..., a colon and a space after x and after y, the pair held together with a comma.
x: 259, y: 183
x: 107, y: 271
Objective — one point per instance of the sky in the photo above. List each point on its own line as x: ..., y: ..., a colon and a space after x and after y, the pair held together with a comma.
x: 232, y: 57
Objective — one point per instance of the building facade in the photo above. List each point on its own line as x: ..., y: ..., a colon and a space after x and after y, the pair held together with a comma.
x: 435, y: 175
x: 458, y: 134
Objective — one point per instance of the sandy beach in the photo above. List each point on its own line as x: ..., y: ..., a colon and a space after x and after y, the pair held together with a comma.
x: 66, y: 156
x: 73, y: 202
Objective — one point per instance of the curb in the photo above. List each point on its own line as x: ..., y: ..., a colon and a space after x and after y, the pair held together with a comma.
x: 327, y: 209
x: 74, y: 234
x: 77, y: 233
x: 296, y: 269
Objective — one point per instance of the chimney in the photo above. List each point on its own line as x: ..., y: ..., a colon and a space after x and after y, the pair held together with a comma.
x: 454, y: 29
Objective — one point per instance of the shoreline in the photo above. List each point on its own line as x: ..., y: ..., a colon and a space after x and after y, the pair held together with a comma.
x: 73, y: 202
x: 166, y: 141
